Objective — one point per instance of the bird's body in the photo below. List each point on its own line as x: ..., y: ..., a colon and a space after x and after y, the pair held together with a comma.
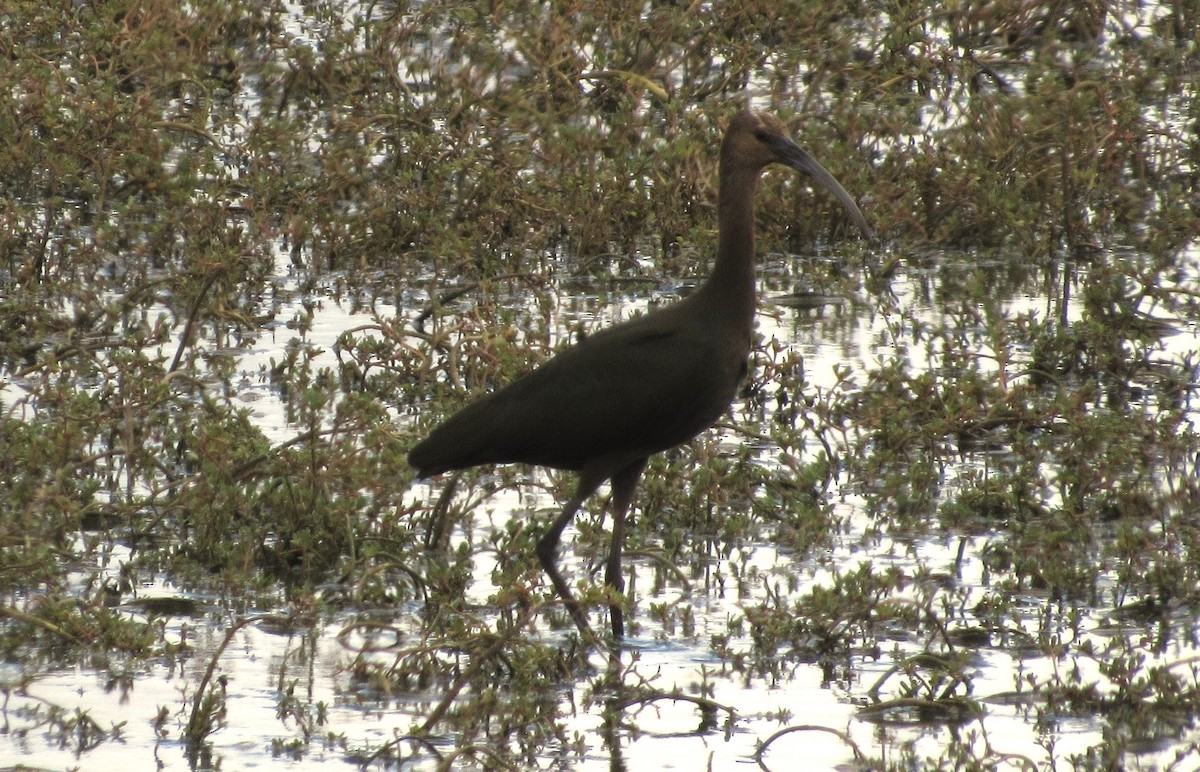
x: 605, y: 405
x: 644, y: 373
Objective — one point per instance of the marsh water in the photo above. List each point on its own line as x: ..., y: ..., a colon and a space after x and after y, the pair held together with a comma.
x: 291, y: 695
x: 250, y: 253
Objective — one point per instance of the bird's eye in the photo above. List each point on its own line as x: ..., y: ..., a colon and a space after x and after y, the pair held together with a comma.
x: 761, y: 135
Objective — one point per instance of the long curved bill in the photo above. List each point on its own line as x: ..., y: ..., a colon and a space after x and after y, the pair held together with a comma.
x: 791, y: 154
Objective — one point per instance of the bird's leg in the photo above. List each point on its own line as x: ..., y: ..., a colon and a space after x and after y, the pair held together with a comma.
x: 624, y: 483
x: 437, y: 534
x: 547, y: 546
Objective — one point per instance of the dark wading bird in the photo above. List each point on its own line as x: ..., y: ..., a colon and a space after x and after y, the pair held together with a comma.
x: 603, y: 407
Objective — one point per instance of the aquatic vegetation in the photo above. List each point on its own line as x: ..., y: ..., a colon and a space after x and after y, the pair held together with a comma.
x: 249, y: 252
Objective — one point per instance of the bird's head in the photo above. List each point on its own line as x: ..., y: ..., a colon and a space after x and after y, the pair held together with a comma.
x: 757, y: 139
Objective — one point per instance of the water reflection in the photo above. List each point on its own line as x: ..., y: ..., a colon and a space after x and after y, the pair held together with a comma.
x: 841, y: 607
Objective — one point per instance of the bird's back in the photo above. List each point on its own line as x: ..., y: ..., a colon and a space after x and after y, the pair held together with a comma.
x: 626, y: 392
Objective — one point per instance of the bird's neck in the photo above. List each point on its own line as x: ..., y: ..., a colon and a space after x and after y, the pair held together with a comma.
x: 731, y: 284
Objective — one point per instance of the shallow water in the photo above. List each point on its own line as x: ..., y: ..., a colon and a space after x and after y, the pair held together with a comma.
x: 291, y: 700
x: 294, y: 684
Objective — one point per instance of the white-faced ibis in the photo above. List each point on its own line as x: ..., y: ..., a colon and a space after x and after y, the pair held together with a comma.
x: 604, y: 406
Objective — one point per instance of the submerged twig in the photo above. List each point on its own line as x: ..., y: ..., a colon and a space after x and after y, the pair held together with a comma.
x: 186, y: 338
x: 845, y: 737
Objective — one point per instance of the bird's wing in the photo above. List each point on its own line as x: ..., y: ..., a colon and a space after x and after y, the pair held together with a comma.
x: 626, y: 390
